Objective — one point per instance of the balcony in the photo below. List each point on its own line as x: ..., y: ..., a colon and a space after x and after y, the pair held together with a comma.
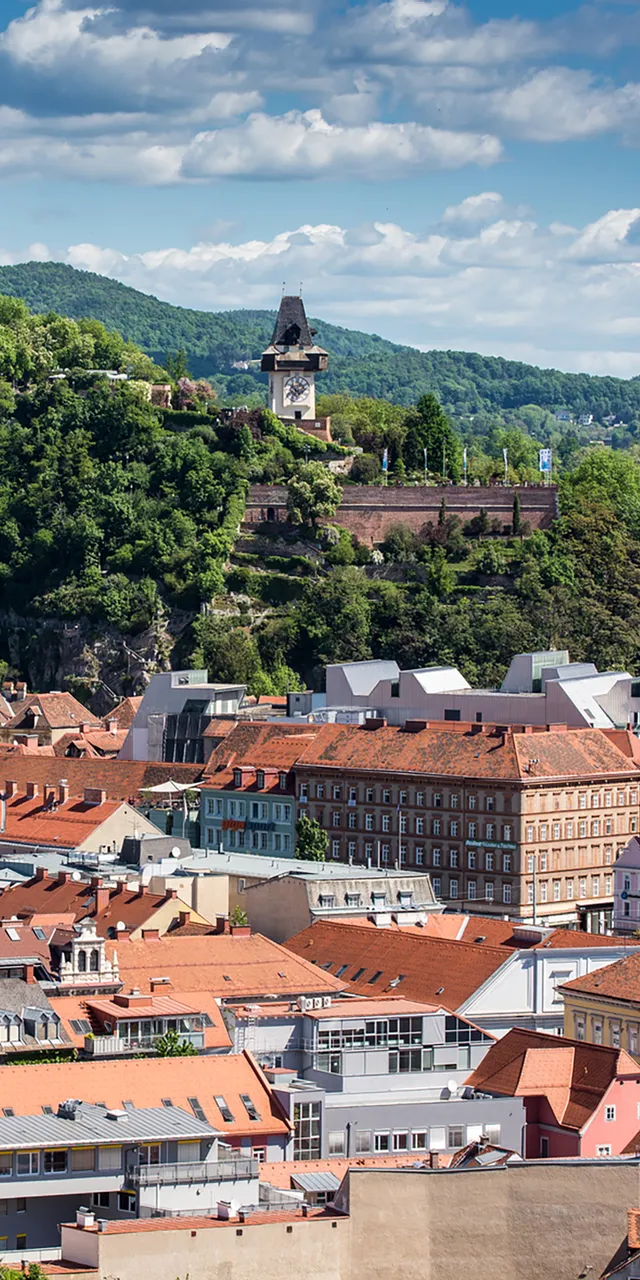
x: 111, y: 1046
x: 163, y: 1175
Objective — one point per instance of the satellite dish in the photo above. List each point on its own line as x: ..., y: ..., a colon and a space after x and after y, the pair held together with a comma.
x: 175, y: 852
x: 120, y: 926
x: 452, y: 1085
x: 75, y: 875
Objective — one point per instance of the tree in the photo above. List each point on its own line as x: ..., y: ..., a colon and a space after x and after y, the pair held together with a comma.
x: 238, y: 918
x: 170, y: 1045
x: 515, y: 519
x: 442, y: 514
x: 312, y: 842
x: 313, y: 493
x: 428, y: 427
x: 177, y: 365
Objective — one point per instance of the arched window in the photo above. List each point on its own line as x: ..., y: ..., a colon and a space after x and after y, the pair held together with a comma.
x: 82, y: 961
x: 94, y: 961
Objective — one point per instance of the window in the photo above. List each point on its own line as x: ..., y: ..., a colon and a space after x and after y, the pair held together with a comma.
x: 419, y: 826
x: 419, y: 855
x: 437, y: 885
x: 453, y: 888
x: 632, y: 1038
x: 150, y: 1154
x: 126, y: 1201
x: 471, y: 801
x: 21, y: 1240
x: 610, y: 1112
x: 530, y: 835
x: 109, y: 1158
x: 6, y: 1164
x: 453, y: 802
x: 569, y: 888
x: 437, y: 800
x: 570, y: 830
x: 543, y: 891
x: 197, y: 1110
x: 336, y: 792
x: 506, y: 862
x: 506, y: 893
x: 336, y: 1143
x: 453, y: 828
x: 374, y: 978
x: 582, y: 829
x: 488, y: 890
x: 420, y: 798
x: 506, y: 833
x: 582, y: 802
x: 595, y: 886
x: 488, y: 862
x: 615, y: 1034
x: 453, y: 857
x: 353, y: 795
x: 543, y: 861
x: 249, y: 1107
x: 544, y: 1148
x: 583, y: 886
x: 405, y: 1061
x: 578, y: 1026
x: 306, y: 1140
x: 55, y: 1161
x: 363, y: 1140
x: 100, y: 1199
x: 83, y: 1159
x: 335, y: 818
x: 335, y: 848
x: 436, y: 857
x: 596, y: 1030
x: 556, y: 891
x: 27, y: 1163
x: 603, y: 1150
x: 352, y: 821
x: 386, y: 822
x: 369, y: 795
x: 224, y: 1108
x: 436, y: 827
x: 385, y: 853
x: 420, y: 1140
x: 386, y: 797
x: 489, y: 830
x: 320, y: 791
x: 381, y: 1142
x: 368, y: 822
x: 400, y: 1142
x: 472, y: 828
x: 455, y: 1135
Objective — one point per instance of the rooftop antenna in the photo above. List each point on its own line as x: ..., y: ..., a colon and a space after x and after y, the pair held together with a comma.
x: 284, y: 285
x: 300, y: 295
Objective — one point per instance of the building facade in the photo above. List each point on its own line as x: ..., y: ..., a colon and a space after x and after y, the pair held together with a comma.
x: 523, y: 823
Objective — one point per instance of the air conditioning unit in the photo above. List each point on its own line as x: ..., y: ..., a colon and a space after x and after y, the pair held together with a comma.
x: 326, y: 1002
x: 317, y: 1002
x: 304, y: 1003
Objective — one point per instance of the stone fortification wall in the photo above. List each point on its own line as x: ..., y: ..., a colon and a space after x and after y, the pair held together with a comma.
x: 368, y: 512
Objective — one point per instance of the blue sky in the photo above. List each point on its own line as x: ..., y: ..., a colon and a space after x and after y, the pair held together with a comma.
x: 448, y: 175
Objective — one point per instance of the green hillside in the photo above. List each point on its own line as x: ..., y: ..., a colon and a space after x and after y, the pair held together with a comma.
x: 361, y: 363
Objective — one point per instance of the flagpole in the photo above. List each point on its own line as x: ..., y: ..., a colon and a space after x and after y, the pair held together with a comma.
x: 464, y: 463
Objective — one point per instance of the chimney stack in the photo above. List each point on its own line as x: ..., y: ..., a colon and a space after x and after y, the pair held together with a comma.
x: 10, y: 789
x: 103, y: 895
x: 63, y: 791
x: 32, y: 790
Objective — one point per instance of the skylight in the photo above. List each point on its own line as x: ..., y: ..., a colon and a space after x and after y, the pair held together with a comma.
x: 249, y: 1107
x: 197, y: 1110
x: 224, y: 1108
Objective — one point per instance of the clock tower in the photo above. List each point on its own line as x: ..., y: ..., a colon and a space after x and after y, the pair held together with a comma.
x: 292, y: 360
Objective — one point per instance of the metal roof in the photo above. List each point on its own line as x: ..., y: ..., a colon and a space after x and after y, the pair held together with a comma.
x: 94, y: 1125
x: 323, y: 1181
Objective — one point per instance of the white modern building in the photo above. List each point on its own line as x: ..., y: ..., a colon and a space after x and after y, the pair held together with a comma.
x: 539, y: 689
x: 176, y: 708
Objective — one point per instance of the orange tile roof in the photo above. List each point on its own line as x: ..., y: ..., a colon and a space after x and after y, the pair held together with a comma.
x: 219, y: 728
x: 576, y: 938
x: 58, y: 710
x: 491, y: 755
x: 124, y: 713
x: 618, y: 981
x: 122, y: 1227
x: 145, y: 1082
x: 29, y: 821
x: 72, y: 1008
x: 120, y: 779
x: 280, y: 1173
x: 454, y: 925
x: 259, y: 743
x: 436, y: 970
x: 571, y: 1074
x: 64, y: 896
x: 633, y: 1228
x: 232, y: 967
x: 96, y: 742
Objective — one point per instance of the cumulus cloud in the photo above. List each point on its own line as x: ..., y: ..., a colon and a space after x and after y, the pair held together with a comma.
x: 510, y: 287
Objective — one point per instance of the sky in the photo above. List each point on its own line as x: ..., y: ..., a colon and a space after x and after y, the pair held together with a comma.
x: 445, y: 175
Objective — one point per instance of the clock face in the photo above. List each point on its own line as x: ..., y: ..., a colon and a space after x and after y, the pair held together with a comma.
x: 296, y: 388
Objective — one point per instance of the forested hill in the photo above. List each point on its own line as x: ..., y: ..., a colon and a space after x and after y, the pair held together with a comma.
x: 361, y: 363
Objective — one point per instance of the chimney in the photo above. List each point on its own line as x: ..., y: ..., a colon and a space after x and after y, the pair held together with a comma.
x: 374, y: 722
x: 170, y: 894
x: 184, y: 917
x: 528, y: 728
x: 28, y: 974
x: 305, y: 1210
x: 112, y: 726
x: 63, y: 791
x: 62, y: 877
x: 160, y: 984
x: 151, y: 935
x: 121, y: 886
x: 95, y: 882
x: 10, y: 789
x: 84, y: 1217
x: 558, y: 728
x: 103, y: 895
x: 32, y: 790
x: 21, y: 691
x: 225, y: 1211
x: 49, y: 792
x: 41, y: 873
x: 142, y: 889
x: 477, y: 728
x: 94, y: 795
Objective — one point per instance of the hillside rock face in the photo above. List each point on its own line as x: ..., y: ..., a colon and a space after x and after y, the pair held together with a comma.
x: 97, y: 663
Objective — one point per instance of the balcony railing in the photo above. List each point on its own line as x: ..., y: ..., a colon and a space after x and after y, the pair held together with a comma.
x: 109, y: 1046
x: 154, y: 1175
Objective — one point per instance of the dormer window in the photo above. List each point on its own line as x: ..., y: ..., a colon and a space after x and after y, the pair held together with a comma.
x: 405, y: 898
x: 260, y: 779
x: 379, y: 900
x: 237, y: 777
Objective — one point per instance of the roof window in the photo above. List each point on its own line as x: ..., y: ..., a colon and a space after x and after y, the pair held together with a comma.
x: 377, y: 974
x: 249, y: 1107
x: 197, y: 1110
x: 224, y: 1108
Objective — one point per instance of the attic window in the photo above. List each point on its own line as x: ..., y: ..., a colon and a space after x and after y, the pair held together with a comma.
x: 327, y: 965
x: 197, y: 1110
x: 237, y: 777
x: 341, y: 969
x: 358, y: 974
x: 281, y: 975
x: 81, y: 1026
x: 39, y: 933
x: 249, y: 1107
x: 12, y: 934
x: 260, y: 780
x: 8, y: 1111
x: 47, y: 1111
x: 227, y: 977
x: 166, y: 1102
x: 283, y: 781
x: 206, y: 1020
x: 128, y: 1105
x: 377, y: 974
x: 224, y: 1108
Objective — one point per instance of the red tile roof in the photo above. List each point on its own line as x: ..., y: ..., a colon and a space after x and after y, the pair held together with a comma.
x: 75, y: 1008
x: 490, y: 755
x: 120, y: 779
x: 435, y: 970
x: 57, y: 710
x: 145, y: 1082
x: 633, y: 1228
x: 124, y: 713
x: 63, y: 895
x: 29, y: 821
x: 233, y: 967
x: 258, y: 743
x: 576, y: 938
x: 572, y: 1075
x: 618, y: 981
x: 122, y: 1227
x: 280, y: 1173
x: 95, y: 742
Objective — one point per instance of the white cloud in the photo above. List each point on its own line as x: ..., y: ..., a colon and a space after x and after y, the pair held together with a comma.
x: 304, y: 144
x: 510, y: 287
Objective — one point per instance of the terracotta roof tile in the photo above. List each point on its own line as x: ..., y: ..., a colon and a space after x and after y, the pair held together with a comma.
x: 576, y: 938
x: 124, y: 713
x: 493, y: 754
x: 435, y: 970
x: 279, y: 1173
x: 120, y: 1227
x: 571, y: 1074
x: 120, y: 779
x: 633, y: 1228
x: 261, y: 743
x: 29, y: 821
x: 145, y: 1082
x: 90, y: 1009
x: 232, y: 967
x: 58, y: 711
x: 618, y: 981
x: 66, y: 896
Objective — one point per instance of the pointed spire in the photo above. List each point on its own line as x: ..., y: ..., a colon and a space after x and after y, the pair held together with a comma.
x: 292, y: 327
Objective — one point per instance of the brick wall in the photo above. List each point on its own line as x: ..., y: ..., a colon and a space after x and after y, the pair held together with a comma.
x: 369, y: 511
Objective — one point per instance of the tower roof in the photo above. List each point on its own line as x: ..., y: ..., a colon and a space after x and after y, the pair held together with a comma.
x: 292, y: 327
